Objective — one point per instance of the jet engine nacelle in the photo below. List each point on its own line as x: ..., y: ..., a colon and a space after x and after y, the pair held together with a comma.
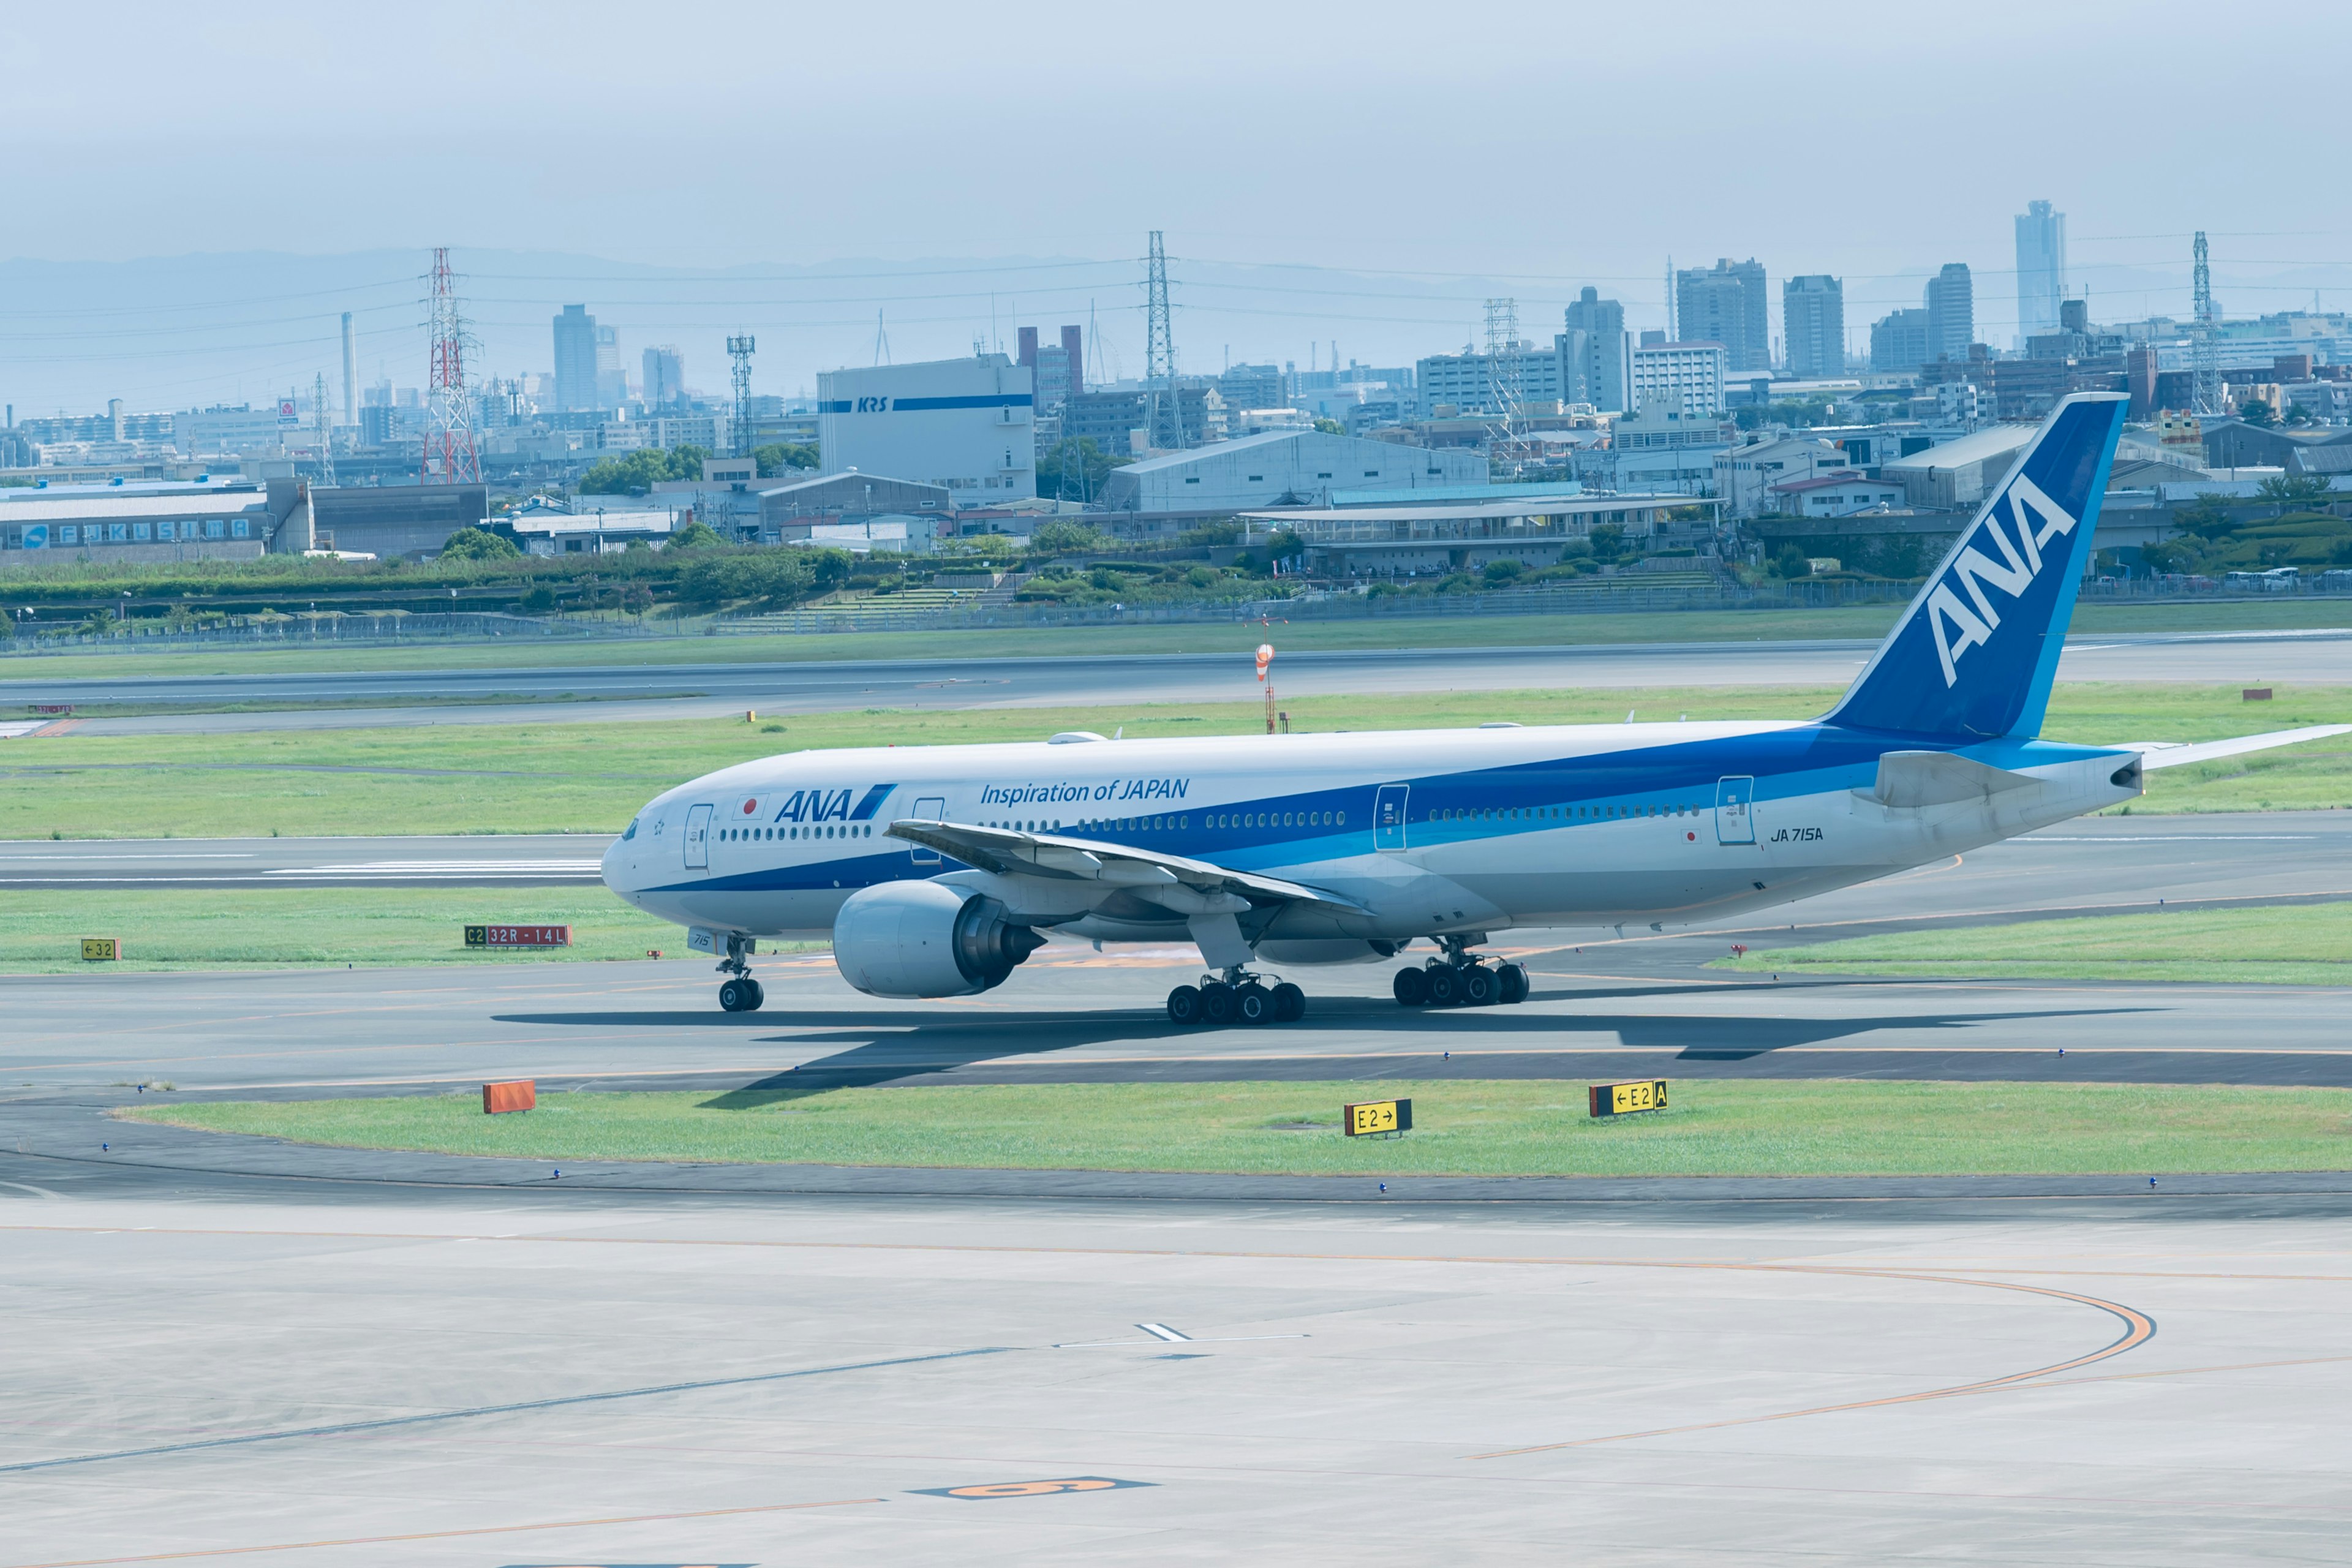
x: 924, y: 939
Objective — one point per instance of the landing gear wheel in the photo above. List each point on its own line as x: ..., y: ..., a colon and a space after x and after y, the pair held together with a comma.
x: 1479, y: 985
x: 1184, y: 1005
x: 741, y: 995
x: 1513, y: 978
x: 1252, y: 1004
x: 1217, y: 1003
x: 1289, y: 1004
x: 1444, y: 987
x: 1411, y: 986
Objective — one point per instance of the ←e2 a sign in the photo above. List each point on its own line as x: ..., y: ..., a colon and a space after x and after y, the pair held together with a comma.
x: 1624, y: 1098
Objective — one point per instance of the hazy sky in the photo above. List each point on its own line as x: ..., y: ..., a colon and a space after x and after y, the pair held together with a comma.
x: 1526, y: 147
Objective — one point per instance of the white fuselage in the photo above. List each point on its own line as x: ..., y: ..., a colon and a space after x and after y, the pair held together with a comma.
x: 1429, y: 833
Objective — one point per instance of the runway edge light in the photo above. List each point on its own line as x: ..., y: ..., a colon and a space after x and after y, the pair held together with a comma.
x: 1376, y: 1117
x: 1606, y: 1099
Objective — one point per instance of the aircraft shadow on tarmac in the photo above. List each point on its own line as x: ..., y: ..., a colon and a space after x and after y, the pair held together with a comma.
x: 917, y: 1045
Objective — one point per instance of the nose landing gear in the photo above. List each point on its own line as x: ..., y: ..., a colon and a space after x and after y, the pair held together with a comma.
x: 1459, y: 979
x: 740, y: 992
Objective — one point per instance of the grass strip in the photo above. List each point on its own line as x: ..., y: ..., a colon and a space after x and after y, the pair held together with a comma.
x: 1713, y: 1128
x: 591, y: 777
x: 283, y: 927
x: 2305, y: 944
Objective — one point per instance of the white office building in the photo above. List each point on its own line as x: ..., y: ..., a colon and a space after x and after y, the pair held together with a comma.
x: 1483, y: 384
x: 965, y: 424
x: 218, y: 431
x: 1688, y: 377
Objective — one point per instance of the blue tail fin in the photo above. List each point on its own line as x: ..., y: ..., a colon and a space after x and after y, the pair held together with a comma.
x: 1974, y: 655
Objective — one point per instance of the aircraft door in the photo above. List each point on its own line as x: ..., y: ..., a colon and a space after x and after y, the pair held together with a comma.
x: 1389, y: 817
x: 932, y: 808
x: 1734, y: 811
x: 698, y: 838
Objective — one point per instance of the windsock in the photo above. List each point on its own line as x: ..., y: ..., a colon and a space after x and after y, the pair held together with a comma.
x: 1265, y: 657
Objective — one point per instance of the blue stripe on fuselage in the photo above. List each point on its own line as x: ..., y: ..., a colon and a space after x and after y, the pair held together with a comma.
x: 1807, y: 760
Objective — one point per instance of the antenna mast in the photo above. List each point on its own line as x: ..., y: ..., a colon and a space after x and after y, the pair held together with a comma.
x: 449, y: 455
x: 738, y: 349
x: 1159, y: 340
x: 323, y: 421
x: 2202, y: 335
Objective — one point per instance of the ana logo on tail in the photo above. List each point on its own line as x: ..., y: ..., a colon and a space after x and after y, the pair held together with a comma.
x: 1956, y: 628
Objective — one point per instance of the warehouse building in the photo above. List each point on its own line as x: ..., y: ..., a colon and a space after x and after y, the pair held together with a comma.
x: 1288, y: 468
x: 966, y: 424
x: 1420, y: 536
x: 228, y: 518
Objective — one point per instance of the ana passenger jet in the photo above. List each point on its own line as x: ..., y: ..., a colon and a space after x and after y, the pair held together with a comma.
x: 937, y: 870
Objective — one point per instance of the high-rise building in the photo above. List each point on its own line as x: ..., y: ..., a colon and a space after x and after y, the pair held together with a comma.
x: 1058, y: 369
x: 665, y: 375
x: 2040, y: 268
x: 1726, y: 304
x: 1951, y: 313
x: 1685, y: 379
x: 1812, y: 323
x: 1254, y: 387
x: 1601, y: 369
x: 612, y: 381
x: 575, y: 359
x: 1898, y: 340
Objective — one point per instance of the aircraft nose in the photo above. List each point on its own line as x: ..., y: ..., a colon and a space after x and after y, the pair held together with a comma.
x: 610, y: 868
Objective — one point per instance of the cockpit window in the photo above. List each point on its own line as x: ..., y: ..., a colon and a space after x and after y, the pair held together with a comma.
x: 632, y: 830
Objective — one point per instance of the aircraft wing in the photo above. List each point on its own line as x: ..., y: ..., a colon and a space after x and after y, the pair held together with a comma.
x: 2174, y: 754
x: 1009, y: 851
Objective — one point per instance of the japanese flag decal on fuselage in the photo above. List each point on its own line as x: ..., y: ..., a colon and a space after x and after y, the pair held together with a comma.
x: 1974, y: 655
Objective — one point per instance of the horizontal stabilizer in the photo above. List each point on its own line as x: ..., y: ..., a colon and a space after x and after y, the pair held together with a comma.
x: 1908, y: 780
x: 2171, y: 754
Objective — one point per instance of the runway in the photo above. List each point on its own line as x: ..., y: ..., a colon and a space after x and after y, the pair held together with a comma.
x: 638, y: 693
x: 231, y: 1348
x: 518, y: 1378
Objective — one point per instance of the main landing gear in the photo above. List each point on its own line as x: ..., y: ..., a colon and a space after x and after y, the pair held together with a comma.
x: 1459, y: 979
x: 1239, y: 997
x: 740, y: 992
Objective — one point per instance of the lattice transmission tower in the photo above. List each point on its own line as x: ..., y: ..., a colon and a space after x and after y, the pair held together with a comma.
x: 1159, y: 344
x: 449, y: 455
x: 2204, y: 333
x: 1506, y: 381
x: 322, y: 423
x: 738, y: 349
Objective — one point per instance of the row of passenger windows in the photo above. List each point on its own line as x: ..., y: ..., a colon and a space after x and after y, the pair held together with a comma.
x: 1245, y: 819
x: 1555, y: 812
x: 744, y: 834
